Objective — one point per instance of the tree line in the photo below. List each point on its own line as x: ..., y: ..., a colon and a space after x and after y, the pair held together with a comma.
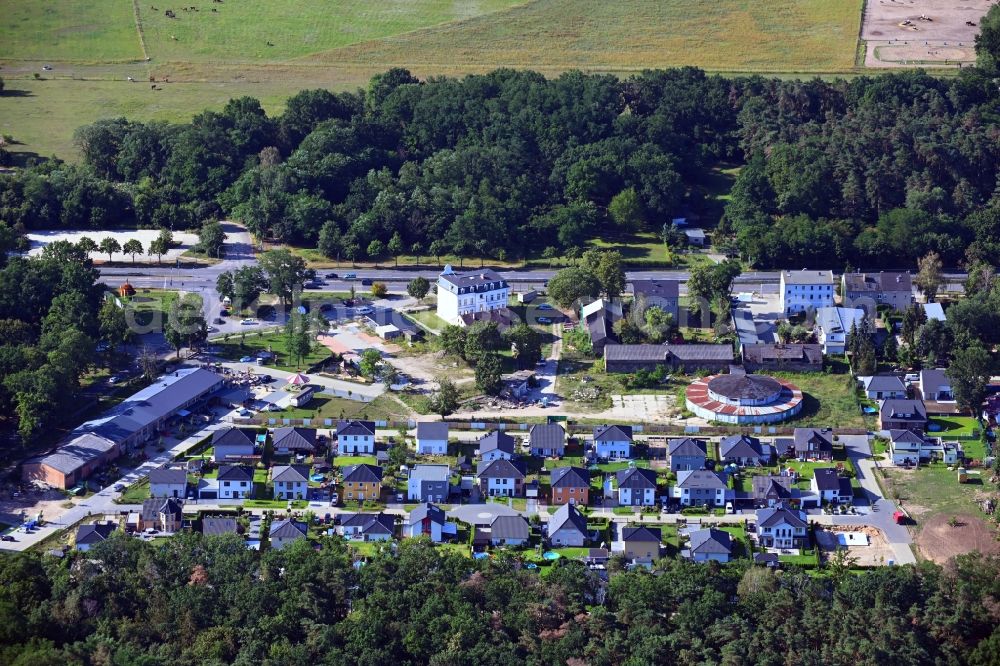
x: 210, y: 600
x: 873, y: 171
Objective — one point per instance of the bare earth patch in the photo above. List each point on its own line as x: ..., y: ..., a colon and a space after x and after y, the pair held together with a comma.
x: 939, y: 541
x: 896, y: 35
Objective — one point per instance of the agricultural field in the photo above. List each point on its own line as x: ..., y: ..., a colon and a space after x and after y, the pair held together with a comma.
x: 272, y: 49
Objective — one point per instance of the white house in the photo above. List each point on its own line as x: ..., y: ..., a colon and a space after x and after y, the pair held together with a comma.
x: 884, y: 387
x: 567, y: 527
x: 805, y: 290
x: 636, y: 487
x: 613, y: 442
x: 909, y: 448
x: 465, y: 293
x: 88, y: 536
x: 699, y: 487
x: 782, y: 528
x: 425, y: 520
x: 290, y: 481
x: 833, y: 326
x: 235, y: 481
x: 367, y: 526
x: 355, y: 438
x: 496, y: 445
x: 709, y: 544
x: 509, y: 531
x: 428, y: 483
x: 284, y: 532
x: 432, y: 439
x: 831, y: 487
x: 167, y: 483
x: 935, y: 385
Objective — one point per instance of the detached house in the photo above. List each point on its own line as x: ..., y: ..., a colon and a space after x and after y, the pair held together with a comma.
x: 613, y: 442
x: 294, y: 441
x: 570, y: 485
x: 936, y: 386
x: 231, y: 444
x: 568, y: 527
x: 699, y: 488
x: 547, y: 440
x: 425, y: 520
x: 640, y: 545
x: 599, y: 319
x: 235, y: 481
x: 357, y: 438
x: 771, y: 490
x: 744, y: 450
x: 833, y: 325
x: 167, y: 483
x: 910, y: 448
x: 778, y: 356
x: 782, y: 528
x: 894, y: 289
x: 687, y: 454
x: 636, y: 487
x: 710, y: 544
x: 509, y: 531
x: 432, y: 438
x: 367, y: 526
x: 362, y: 482
x: 465, y: 293
x: 903, y: 415
x: 496, y: 445
x: 88, y: 536
x: 805, y: 290
x: 284, y: 532
x: 664, y: 294
x: 165, y: 515
x: 812, y: 443
x: 831, y: 487
x: 428, y: 483
x: 884, y: 387
x: 290, y: 482
x: 501, y: 478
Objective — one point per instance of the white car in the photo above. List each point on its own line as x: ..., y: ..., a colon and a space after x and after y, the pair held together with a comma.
x: 364, y: 310
x: 248, y: 322
x: 544, y: 306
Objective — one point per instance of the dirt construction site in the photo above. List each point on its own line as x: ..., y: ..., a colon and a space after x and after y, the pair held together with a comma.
x: 877, y: 552
x: 931, y: 33
x: 945, y: 536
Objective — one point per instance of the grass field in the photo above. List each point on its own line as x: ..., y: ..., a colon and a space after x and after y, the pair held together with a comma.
x: 276, y: 342
x: 271, y: 49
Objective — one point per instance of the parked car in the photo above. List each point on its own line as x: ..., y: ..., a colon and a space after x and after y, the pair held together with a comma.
x: 248, y: 322
x: 246, y: 359
x: 114, y: 379
x: 544, y: 306
x: 334, y: 499
x: 219, y: 320
x: 7, y: 537
x: 119, y: 487
x: 331, y: 276
x: 364, y: 310
x: 544, y: 320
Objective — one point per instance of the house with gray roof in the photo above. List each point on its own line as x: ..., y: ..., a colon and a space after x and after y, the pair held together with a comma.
x: 425, y: 520
x: 935, y: 385
x: 501, y: 478
x: 639, y: 544
x: 367, y: 526
x: 833, y: 325
x: 235, y: 481
x: 664, y: 294
x: 805, y: 290
x: 570, y: 485
x: 547, y: 440
x: 355, y: 438
x: 884, y: 387
x: 463, y: 293
x: 892, y: 288
x: 812, y: 443
x: 831, y: 487
x: 779, y: 527
x: 496, y: 445
x: 745, y: 451
x: 88, y: 536
x: 903, y: 415
x: 598, y: 319
x: 432, y: 438
x: 613, y: 442
x: 769, y: 490
x: 218, y: 525
x: 509, y: 531
x: 428, y: 483
x: 686, y: 358
x: 165, y: 482
x: 231, y: 444
x: 162, y: 514
x: 636, y: 487
x: 295, y: 441
x: 284, y: 532
x: 567, y: 527
x: 686, y: 453
x: 709, y: 544
x: 72, y: 462
x: 699, y: 487
x: 290, y: 482
x: 805, y: 357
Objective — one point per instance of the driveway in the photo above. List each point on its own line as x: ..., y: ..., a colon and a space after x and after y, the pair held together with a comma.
x: 483, y: 514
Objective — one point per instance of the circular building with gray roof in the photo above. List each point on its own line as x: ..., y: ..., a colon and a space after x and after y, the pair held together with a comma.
x: 743, y: 399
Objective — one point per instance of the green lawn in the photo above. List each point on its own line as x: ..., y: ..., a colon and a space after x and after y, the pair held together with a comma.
x: 137, y: 493
x: 931, y: 490
x: 344, y: 461
x: 428, y: 320
x: 808, y: 559
x: 827, y: 401
x: 368, y: 548
x: 255, y: 341
x: 583, y: 382
x: 956, y: 427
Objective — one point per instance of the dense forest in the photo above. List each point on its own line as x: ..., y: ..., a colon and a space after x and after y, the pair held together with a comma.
x: 872, y: 171
x: 195, y: 600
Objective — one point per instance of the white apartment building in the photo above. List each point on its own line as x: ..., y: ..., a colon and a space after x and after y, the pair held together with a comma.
x: 805, y: 290
x: 465, y: 293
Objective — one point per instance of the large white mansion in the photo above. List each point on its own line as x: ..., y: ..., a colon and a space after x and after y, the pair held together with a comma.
x: 467, y: 293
